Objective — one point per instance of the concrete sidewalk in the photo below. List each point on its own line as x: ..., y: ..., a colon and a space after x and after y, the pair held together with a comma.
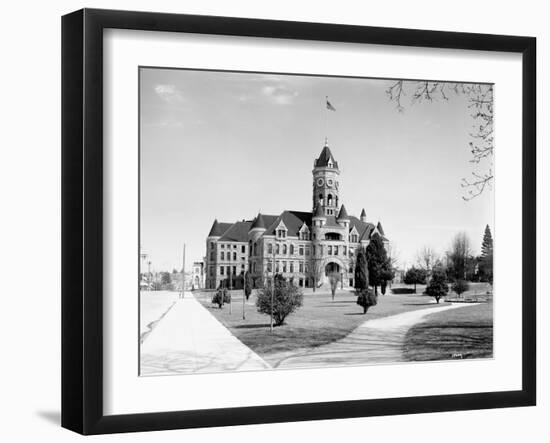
x: 190, y: 340
x: 375, y: 341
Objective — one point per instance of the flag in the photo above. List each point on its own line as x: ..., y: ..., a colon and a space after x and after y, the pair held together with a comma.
x: 330, y: 107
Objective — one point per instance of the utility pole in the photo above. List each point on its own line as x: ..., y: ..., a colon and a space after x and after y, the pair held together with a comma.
x: 272, y: 288
x: 183, y: 275
x: 244, y: 292
x: 230, y: 286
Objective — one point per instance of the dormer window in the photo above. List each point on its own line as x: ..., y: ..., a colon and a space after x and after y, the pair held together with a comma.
x: 281, y: 233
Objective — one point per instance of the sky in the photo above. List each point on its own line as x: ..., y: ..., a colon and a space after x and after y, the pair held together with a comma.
x: 227, y: 145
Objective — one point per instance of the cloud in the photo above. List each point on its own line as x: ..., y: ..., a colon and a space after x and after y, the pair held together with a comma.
x: 279, y: 94
x: 169, y: 93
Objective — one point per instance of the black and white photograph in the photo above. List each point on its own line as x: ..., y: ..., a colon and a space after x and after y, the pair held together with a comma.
x: 298, y: 221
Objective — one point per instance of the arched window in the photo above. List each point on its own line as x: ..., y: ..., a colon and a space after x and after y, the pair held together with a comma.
x: 329, y: 200
x: 321, y: 201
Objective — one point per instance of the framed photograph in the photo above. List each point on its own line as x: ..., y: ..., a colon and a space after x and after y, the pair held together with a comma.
x: 268, y: 221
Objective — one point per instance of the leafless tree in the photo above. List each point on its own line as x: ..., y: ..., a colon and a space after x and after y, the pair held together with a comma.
x: 426, y: 258
x: 480, y: 104
x: 458, y: 255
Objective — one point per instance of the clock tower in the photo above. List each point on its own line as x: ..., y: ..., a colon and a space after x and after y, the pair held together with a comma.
x: 326, y: 187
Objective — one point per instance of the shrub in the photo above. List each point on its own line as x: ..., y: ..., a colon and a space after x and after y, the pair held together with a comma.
x: 366, y: 298
x: 221, y: 296
x: 287, y: 298
x: 437, y: 287
x: 460, y: 286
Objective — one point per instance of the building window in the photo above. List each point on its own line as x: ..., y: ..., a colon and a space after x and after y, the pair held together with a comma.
x: 336, y: 250
x: 228, y: 270
x: 284, y: 266
x: 345, y: 252
x: 270, y: 248
x: 243, y: 249
x: 329, y: 249
x: 277, y: 266
x: 211, y: 271
x: 221, y: 270
x: 354, y: 238
x: 281, y: 233
x: 234, y: 270
x: 307, y: 250
x: 234, y: 246
x: 307, y: 268
x: 223, y: 246
x: 212, y: 256
x: 291, y: 266
x: 284, y: 249
x: 301, y: 267
x: 301, y: 250
x: 269, y: 267
x: 277, y: 249
x: 291, y: 249
x: 234, y: 256
x: 222, y: 255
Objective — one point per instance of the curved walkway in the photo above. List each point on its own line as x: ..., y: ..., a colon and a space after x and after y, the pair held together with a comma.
x: 375, y: 341
x: 189, y: 340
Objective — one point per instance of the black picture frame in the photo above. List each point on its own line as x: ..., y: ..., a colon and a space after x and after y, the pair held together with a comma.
x: 82, y: 218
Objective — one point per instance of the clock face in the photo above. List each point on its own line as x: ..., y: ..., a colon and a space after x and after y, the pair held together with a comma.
x: 330, y: 182
x: 320, y: 182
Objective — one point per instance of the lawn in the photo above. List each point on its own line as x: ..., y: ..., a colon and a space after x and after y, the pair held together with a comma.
x: 457, y: 333
x: 319, y: 321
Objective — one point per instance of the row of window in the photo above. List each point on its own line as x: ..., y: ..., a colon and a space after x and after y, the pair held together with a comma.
x: 227, y: 256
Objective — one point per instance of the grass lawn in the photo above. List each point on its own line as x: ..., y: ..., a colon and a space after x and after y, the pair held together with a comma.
x: 319, y: 321
x: 458, y: 333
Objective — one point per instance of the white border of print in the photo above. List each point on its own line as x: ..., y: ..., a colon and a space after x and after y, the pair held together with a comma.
x: 125, y: 392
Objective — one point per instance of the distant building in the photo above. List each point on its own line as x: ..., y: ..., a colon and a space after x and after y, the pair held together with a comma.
x: 302, y: 246
x: 197, y: 275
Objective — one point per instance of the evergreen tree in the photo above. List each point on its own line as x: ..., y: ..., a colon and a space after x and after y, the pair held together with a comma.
x: 361, y: 279
x: 437, y: 287
x: 378, y: 262
x: 486, y: 259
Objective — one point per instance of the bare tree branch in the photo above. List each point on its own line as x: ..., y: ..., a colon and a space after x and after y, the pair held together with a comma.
x: 480, y: 102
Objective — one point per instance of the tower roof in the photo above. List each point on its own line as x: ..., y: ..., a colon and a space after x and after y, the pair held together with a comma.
x: 318, y: 211
x: 380, y: 229
x: 343, y: 214
x: 259, y: 222
x: 325, y: 158
x: 363, y: 213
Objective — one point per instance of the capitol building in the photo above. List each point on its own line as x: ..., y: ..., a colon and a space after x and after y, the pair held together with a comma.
x: 304, y: 247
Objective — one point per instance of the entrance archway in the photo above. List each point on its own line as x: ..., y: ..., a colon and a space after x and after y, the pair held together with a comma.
x: 332, y: 267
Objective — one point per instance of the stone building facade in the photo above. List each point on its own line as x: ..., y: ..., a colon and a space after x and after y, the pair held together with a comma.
x: 304, y: 247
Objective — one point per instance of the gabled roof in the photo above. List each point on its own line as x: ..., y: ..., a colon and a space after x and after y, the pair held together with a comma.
x: 363, y: 228
x: 237, y: 232
x: 325, y: 158
x: 218, y: 228
x: 293, y: 221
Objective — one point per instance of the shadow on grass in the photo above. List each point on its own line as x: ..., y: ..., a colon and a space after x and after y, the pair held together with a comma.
x: 354, y: 313
x: 420, y: 304
x: 252, y: 326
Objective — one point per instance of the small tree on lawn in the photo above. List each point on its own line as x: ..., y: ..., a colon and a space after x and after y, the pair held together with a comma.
x: 334, y: 279
x: 247, y: 285
x: 437, y: 288
x: 387, y: 274
x: 460, y: 287
x: 415, y: 276
x: 377, y: 259
x: 287, y: 298
x: 365, y: 296
x: 221, y: 297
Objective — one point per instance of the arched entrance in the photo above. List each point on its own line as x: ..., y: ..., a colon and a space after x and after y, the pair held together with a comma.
x: 332, y: 267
